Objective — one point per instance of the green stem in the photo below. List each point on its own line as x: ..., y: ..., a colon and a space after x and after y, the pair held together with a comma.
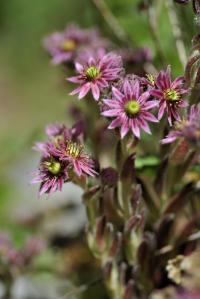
x: 177, y: 32
x: 153, y: 26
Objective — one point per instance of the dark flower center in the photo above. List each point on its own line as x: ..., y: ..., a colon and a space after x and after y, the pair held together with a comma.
x: 92, y: 72
x: 68, y: 45
x: 172, y: 95
x: 73, y: 149
x: 54, y: 167
x: 132, y: 107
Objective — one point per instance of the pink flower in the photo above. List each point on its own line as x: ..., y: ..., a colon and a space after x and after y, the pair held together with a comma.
x: 61, y: 154
x: 51, y: 175
x: 77, y: 160
x: 63, y: 46
x: 96, y: 74
x: 130, y: 109
x: 169, y: 95
x: 186, y: 128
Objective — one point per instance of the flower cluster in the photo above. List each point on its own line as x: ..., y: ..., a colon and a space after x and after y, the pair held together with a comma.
x: 62, y: 155
x: 142, y: 185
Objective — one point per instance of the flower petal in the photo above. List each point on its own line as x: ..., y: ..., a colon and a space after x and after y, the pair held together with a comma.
x: 95, y: 91
x: 111, y: 112
x: 84, y: 90
x: 117, y: 94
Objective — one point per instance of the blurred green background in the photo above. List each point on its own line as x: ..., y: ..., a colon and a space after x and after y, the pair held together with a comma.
x: 32, y: 91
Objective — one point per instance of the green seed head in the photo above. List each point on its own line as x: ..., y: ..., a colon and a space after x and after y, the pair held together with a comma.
x: 92, y: 72
x: 54, y: 167
x: 132, y: 108
x: 172, y: 95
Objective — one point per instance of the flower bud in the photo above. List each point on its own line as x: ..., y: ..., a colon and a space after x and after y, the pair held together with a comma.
x: 196, y: 6
x: 109, y: 177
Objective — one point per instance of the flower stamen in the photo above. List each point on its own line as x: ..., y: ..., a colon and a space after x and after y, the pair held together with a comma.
x: 172, y: 95
x: 73, y: 149
x: 151, y: 78
x: 92, y: 72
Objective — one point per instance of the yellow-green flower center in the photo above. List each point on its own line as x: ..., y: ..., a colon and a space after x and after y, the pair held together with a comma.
x: 132, y: 108
x: 54, y: 167
x: 172, y: 95
x: 179, y: 125
x: 68, y: 45
x: 92, y: 72
x: 151, y: 79
x: 73, y: 149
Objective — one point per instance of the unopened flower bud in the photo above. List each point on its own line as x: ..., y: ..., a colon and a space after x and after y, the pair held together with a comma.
x: 109, y: 177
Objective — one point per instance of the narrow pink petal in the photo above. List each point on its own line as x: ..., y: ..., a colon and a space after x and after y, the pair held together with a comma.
x: 144, y: 125
x: 36, y: 180
x: 161, y: 110
x: 143, y: 98
x: 84, y: 90
x: 170, y: 118
x: 124, y: 130
x: 79, y: 67
x: 115, y: 123
x: 53, y: 186
x: 169, y: 138
x: 112, y: 103
x: 74, y: 79
x: 95, y: 91
x: 136, y: 89
x: 150, y: 104
x: 75, y: 91
x: 167, y: 77
x: 149, y: 117
x: 117, y: 94
x: 127, y: 89
x: 177, y: 82
x: 45, y: 187
x: 156, y: 93
x: 60, y: 183
x: 77, y: 168
x: 92, y: 61
x: 102, y: 83
x: 135, y: 129
x: 175, y: 114
x: 111, y: 112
